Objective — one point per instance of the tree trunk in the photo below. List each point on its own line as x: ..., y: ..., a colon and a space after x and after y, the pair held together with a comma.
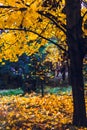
x: 76, y: 54
x: 79, y: 113
x: 42, y: 88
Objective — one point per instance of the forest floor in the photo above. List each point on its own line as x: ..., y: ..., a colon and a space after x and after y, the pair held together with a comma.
x: 34, y: 112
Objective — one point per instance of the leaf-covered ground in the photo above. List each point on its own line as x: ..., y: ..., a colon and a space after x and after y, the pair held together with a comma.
x: 32, y: 112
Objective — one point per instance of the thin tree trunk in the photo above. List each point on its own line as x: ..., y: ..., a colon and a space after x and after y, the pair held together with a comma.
x: 42, y: 88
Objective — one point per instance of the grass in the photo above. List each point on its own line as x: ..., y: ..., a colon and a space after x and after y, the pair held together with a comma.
x: 11, y: 92
x: 59, y: 90
x: 47, y: 89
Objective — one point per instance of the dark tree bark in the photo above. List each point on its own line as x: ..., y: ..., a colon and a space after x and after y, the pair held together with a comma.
x: 42, y: 88
x: 76, y: 54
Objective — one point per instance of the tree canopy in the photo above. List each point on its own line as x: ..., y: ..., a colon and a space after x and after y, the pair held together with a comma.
x: 26, y: 25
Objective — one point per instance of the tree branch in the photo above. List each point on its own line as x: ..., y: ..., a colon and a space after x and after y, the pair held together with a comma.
x: 6, y: 6
x: 25, y: 29
x: 84, y: 14
x: 9, y: 7
x: 47, y: 15
x: 28, y: 5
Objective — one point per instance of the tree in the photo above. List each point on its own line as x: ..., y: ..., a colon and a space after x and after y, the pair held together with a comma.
x: 76, y: 49
x: 65, y: 20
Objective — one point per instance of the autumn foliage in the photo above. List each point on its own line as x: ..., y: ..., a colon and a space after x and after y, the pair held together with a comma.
x: 34, y: 112
x: 26, y: 25
x: 51, y: 111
